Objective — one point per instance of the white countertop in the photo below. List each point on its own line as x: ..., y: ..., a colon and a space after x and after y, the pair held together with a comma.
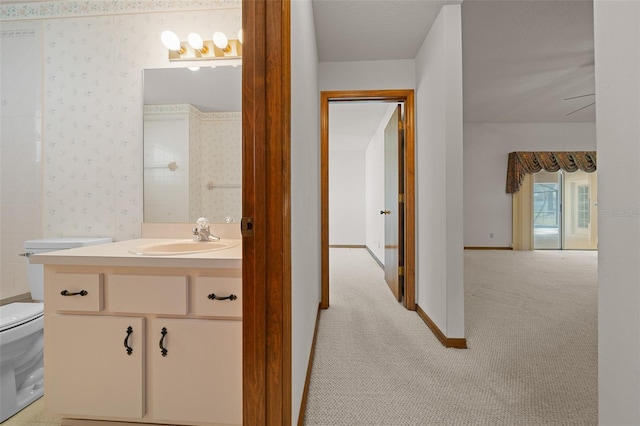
x: 120, y: 254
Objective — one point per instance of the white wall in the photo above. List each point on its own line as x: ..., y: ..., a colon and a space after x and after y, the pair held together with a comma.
x: 375, y: 188
x: 617, y: 66
x: 366, y: 75
x: 347, y: 198
x: 439, y: 173
x: 487, y: 206
x: 305, y: 194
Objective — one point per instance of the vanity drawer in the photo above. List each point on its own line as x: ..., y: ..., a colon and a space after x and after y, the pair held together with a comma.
x: 76, y: 292
x: 147, y: 294
x: 209, y: 291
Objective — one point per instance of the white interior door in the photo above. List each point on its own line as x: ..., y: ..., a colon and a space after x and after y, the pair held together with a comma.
x: 394, y: 204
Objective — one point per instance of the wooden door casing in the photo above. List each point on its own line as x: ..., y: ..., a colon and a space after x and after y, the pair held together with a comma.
x: 266, y: 183
x: 399, y: 95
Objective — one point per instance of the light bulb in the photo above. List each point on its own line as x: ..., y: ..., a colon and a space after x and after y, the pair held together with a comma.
x: 220, y: 40
x: 194, y: 68
x: 195, y: 41
x: 170, y: 40
x: 240, y: 35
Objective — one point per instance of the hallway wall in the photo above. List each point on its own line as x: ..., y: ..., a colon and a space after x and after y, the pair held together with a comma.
x: 305, y: 196
x: 439, y: 216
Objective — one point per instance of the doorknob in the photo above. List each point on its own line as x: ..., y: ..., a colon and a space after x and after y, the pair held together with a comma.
x: 385, y: 212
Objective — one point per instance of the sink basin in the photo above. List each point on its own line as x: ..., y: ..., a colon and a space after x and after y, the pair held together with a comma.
x: 182, y: 247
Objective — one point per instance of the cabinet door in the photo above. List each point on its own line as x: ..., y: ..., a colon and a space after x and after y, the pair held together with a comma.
x: 88, y: 371
x: 199, y: 379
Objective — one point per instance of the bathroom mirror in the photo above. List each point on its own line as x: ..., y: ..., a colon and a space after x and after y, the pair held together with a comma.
x: 192, y: 144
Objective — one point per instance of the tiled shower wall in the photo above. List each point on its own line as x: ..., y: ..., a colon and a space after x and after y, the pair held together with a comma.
x: 166, y: 190
x: 206, y: 148
x: 92, y: 55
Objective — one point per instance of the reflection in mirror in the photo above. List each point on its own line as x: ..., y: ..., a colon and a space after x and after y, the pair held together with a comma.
x: 192, y: 144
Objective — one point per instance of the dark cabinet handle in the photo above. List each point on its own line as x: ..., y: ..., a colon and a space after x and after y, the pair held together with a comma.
x: 79, y: 293
x: 126, y: 340
x: 163, y: 350
x: 212, y: 296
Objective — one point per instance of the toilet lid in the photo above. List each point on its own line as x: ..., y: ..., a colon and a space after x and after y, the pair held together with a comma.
x: 17, y: 313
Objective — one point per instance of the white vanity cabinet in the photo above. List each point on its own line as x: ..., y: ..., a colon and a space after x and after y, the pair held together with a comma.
x: 88, y: 371
x: 199, y: 377
x: 143, y: 345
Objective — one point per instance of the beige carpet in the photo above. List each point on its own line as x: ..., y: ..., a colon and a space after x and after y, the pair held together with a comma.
x: 531, y: 328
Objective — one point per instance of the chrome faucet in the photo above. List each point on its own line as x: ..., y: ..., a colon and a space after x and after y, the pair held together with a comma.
x: 201, y: 231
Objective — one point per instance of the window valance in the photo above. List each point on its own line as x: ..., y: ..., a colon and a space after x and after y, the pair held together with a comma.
x: 522, y: 162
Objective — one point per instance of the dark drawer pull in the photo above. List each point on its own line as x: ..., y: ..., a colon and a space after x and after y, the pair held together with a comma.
x: 163, y: 350
x: 212, y: 296
x: 79, y: 293
x: 126, y: 340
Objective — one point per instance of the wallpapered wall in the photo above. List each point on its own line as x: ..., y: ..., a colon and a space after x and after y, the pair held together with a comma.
x: 220, y: 162
x: 93, y: 54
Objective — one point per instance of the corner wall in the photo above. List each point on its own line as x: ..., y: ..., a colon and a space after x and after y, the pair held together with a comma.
x: 617, y: 66
x: 439, y: 174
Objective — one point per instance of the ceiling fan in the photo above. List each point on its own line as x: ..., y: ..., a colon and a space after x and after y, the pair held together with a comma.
x: 581, y: 108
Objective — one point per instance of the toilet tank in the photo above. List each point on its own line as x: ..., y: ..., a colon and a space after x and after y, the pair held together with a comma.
x: 35, y: 273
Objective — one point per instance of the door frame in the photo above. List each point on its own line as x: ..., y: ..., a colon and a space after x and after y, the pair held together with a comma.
x: 394, y: 95
x: 266, y: 187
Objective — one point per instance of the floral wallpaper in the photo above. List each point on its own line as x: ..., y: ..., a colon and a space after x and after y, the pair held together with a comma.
x: 72, y: 116
x: 92, y: 113
x: 51, y: 9
x: 221, y: 166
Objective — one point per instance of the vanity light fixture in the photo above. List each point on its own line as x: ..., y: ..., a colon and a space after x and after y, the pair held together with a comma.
x: 197, y: 43
x: 195, y: 48
x: 172, y: 42
x: 221, y: 41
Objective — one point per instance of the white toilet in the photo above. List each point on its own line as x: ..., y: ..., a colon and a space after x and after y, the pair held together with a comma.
x: 21, y: 333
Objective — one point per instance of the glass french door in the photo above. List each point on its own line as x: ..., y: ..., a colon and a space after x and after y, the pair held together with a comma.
x: 547, y: 210
x: 565, y: 211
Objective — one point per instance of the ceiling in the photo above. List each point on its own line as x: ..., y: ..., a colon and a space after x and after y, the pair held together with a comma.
x: 363, y: 30
x: 521, y: 58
